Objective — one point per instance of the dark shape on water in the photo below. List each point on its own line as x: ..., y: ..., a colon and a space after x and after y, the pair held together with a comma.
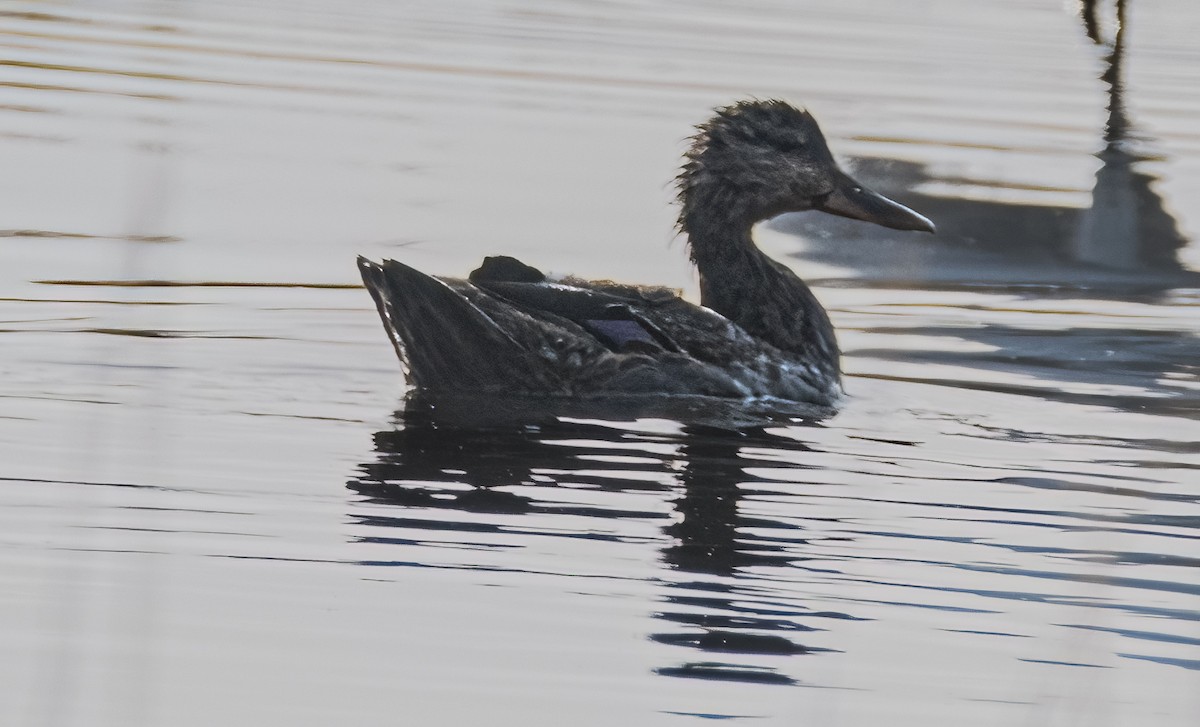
x: 1126, y: 226
x: 1125, y: 244
x: 732, y: 642
x: 721, y: 672
x: 760, y: 332
x: 445, y: 472
x: 1123, y: 247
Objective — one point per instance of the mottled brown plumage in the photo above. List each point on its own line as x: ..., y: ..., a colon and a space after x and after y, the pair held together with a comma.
x: 760, y: 332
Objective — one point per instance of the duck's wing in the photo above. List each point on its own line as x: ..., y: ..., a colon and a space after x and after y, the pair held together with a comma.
x: 453, y: 336
x: 685, y: 348
x: 617, y: 322
x: 511, y: 330
x: 623, y: 318
x: 684, y: 340
x: 620, y: 317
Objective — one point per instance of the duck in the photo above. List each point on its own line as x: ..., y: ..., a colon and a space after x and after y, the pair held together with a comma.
x: 758, y: 332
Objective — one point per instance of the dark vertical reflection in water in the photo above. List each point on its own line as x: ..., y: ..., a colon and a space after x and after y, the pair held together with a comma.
x: 455, y: 459
x: 1124, y: 241
x: 712, y: 544
x: 1126, y: 225
x: 1123, y: 247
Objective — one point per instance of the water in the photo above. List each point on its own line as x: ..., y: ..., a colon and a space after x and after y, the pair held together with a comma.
x: 216, y: 508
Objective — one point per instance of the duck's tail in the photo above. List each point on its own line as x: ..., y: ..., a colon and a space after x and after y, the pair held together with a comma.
x: 445, y: 342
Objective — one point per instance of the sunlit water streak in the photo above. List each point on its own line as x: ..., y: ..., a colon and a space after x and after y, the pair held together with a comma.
x: 212, y: 512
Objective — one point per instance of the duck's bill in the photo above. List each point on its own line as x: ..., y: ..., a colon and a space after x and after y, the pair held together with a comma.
x: 851, y: 199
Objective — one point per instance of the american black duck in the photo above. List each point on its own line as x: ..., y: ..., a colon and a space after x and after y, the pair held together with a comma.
x: 758, y: 332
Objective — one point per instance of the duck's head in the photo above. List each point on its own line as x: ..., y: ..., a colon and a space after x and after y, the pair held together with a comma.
x: 758, y: 159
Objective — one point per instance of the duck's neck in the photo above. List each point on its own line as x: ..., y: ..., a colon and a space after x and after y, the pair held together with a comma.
x: 763, y: 297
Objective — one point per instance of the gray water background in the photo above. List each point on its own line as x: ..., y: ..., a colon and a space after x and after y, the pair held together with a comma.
x: 214, y: 510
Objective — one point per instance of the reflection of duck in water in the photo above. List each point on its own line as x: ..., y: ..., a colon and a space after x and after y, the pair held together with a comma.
x: 761, y: 332
x: 437, y: 482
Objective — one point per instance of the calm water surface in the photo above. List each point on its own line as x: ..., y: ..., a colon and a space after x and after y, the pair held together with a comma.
x: 217, y: 507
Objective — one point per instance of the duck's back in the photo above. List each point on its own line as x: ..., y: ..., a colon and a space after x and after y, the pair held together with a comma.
x: 509, y: 329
